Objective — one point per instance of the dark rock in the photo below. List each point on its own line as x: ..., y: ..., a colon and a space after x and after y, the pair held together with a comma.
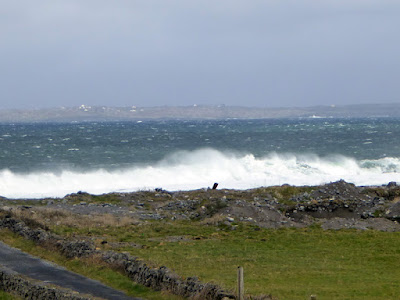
x: 393, y: 212
x: 392, y: 184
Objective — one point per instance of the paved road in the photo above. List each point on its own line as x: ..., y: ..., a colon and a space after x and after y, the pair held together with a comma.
x: 39, y: 269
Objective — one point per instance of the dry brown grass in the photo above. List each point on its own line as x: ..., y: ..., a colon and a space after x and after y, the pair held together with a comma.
x: 213, y: 220
x: 47, y: 217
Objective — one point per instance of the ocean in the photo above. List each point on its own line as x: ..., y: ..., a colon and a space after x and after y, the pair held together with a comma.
x: 54, y: 159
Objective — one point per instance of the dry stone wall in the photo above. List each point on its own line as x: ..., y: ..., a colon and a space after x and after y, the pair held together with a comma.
x: 27, y: 288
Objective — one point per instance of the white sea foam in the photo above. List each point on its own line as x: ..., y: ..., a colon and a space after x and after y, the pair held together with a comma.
x: 201, y: 168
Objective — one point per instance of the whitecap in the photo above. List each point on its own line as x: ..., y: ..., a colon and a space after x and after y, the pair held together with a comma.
x: 201, y: 168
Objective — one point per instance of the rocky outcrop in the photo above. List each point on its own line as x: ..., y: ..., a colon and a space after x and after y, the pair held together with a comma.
x: 343, y: 200
x: 393, y: 212
x: 27, y: 288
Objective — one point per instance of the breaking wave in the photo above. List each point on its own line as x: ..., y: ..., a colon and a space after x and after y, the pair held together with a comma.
x: 201, y: 168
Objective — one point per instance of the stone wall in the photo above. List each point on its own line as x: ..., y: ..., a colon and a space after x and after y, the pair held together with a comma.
x: 27, y: 288
x: 163, y: 279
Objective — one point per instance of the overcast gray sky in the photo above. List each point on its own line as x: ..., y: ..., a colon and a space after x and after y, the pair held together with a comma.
x: 185, y: 52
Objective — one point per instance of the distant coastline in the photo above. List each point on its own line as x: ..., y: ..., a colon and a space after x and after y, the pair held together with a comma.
x: 86, y: 113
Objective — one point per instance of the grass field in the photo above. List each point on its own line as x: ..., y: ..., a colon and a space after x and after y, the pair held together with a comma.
x: 287, y: 263
x: 6, y: 296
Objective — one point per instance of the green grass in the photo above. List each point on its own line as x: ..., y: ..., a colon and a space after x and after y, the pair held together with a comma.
x: 88, y: 268
x: 288, y: 263
x: 292, y: 264
x: 106, y: 198
x: 6, y: 296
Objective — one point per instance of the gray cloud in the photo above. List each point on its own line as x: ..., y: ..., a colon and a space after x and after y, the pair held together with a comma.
x: 255, y: 53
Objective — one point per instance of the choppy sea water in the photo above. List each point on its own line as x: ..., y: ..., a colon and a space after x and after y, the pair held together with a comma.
x: 52, y: 160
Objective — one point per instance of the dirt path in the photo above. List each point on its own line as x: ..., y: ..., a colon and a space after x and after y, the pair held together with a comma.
x: 39, y: 269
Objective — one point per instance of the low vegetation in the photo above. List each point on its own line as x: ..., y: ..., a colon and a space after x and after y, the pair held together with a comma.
x: 288, y: 263
x: 6, y: 296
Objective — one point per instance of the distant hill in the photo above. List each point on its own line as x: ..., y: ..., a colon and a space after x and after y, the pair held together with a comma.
x: 102, y: 113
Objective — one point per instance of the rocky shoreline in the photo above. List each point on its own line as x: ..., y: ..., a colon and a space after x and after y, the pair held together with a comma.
x: 336, y: 205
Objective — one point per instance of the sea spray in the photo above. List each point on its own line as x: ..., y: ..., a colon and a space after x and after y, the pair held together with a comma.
x: 200, y: 168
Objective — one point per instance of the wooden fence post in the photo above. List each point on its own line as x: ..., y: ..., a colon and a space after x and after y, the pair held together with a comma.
x: 240, y: 284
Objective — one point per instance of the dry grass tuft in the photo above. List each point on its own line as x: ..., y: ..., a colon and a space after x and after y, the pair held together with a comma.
x: 213, y: 220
